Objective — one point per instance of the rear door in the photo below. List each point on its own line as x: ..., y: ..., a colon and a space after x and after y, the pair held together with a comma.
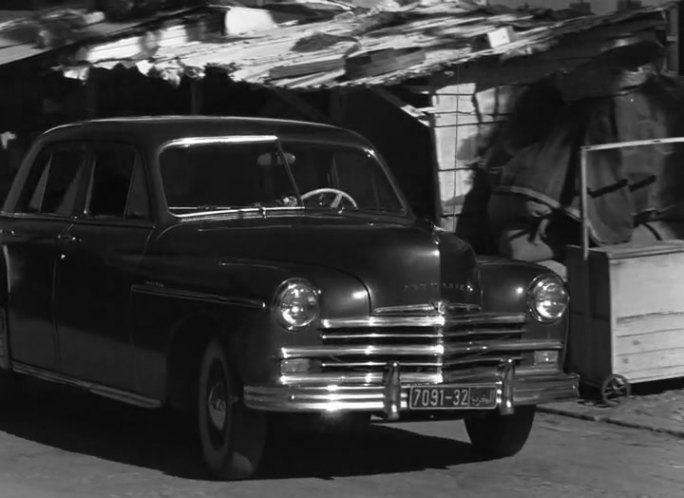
x: 31, y: 239
x: 101, y: 258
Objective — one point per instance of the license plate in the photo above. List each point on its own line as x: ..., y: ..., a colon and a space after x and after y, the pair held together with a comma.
x: 452, y: 397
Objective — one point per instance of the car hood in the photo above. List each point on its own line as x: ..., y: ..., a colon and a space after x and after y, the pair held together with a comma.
x: 399, y: 264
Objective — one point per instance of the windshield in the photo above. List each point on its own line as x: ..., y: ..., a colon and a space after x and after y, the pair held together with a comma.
x: 224, y: 174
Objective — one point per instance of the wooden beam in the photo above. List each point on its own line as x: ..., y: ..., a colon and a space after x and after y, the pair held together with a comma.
x: 301, y: 105
x: 422, y: 117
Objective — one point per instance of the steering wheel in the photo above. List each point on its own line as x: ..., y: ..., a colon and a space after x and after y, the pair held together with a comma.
x: 339, y: 195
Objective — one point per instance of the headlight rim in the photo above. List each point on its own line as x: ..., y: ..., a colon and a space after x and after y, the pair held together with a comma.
x: 282, y: 288
x: 537, y: 282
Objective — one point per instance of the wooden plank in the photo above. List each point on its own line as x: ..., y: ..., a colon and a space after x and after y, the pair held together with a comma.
x: 635, y: 363
x: 638, y: 284
x: 452, y: 119
x: 419, y: 114
x: 649, y: 323
x: 656, y: 373
x: 322, y: 65
x: 650, y: 340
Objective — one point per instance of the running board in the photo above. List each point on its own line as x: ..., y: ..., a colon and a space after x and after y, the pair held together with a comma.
x: 100, y: 390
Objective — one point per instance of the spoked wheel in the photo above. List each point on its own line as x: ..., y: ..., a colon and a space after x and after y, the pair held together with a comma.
x: 232, y: 437
x: 498, y: 436
x: 615, y: 389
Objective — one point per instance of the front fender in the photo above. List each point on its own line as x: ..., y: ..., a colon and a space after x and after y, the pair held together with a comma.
x: 504, y: 289
x: 234, y: 299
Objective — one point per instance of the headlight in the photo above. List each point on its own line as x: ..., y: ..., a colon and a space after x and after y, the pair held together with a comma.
x: 296, y: 303
x: 547, y: 298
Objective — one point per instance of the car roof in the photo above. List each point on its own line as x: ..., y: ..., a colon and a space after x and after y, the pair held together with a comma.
x: 153, y: 131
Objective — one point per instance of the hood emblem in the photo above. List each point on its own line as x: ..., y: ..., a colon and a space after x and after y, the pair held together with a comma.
x: 423, y: 286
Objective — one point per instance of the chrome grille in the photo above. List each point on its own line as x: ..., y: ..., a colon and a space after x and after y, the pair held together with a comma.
x: 459, y: 342
x: 430, y: 346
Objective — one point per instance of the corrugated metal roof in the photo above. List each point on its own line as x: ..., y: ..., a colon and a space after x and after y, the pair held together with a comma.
x: 319, y: 55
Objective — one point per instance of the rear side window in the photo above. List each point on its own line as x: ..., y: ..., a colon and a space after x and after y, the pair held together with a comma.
x: 55, y: 181
x: 117, y: 185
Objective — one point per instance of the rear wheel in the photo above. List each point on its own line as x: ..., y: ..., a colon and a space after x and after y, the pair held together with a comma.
x: 232, y: 437
x: 498, y: 436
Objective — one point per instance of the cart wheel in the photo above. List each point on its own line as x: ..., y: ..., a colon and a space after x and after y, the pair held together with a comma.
x: 615, y: 389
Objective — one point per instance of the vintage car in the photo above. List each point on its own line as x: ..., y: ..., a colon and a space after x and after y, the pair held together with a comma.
x: 239, y: 268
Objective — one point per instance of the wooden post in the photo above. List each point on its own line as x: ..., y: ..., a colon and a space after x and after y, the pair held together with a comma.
x: 91, y: 97
x: 673, y: 48
x: 435, y: 166
x: 338, y: 106
x: 197, y: 96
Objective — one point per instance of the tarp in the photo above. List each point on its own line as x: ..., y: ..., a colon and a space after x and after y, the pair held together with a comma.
x: 626, y: 185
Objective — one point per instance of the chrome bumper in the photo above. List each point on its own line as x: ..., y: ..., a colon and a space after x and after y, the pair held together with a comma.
x: 391, y: 397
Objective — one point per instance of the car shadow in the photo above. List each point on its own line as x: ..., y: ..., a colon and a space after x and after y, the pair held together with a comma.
x: 76, y: 421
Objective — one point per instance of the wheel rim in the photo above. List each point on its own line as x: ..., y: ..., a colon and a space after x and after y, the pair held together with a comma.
x: 614, y: 389
x: 217, y: 405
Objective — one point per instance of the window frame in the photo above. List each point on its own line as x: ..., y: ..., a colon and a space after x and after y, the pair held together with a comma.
x: 24, y: 196
x: 138, y: 170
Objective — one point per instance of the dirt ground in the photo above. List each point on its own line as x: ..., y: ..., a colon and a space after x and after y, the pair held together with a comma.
x: 63, y: 443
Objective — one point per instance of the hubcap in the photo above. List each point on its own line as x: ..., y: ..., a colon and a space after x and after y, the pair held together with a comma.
x: 217, y: 405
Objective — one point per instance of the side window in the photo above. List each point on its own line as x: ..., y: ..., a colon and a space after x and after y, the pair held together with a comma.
x: 118, y: 184
x: 55, y: 180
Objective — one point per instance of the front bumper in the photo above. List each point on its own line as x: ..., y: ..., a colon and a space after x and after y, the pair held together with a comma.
x: 391, y: 397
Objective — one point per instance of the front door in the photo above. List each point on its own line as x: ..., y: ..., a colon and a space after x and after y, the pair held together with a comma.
x: 100, y: 260
x: 32, y: 235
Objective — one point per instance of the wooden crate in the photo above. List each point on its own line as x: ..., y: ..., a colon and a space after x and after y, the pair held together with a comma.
x: 635, y: 324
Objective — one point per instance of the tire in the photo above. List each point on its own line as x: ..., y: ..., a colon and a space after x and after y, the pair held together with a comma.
x: 499, y: 436
x: 232, y: 437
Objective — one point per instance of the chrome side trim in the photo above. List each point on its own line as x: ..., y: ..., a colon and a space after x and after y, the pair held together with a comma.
x: 232, y: 139
x: 436, y: 320
x: 419, y: 349
x: 468, y: 375
x: 197, y: 296
x: 332, y: 335
x: 358, y: 378
x: 93, y: 387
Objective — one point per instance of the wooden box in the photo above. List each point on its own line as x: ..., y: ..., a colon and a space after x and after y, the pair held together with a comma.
x: 635, y: 323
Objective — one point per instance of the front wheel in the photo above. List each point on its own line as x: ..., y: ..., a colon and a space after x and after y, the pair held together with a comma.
x: 498, y: 436
x: 232, y: 436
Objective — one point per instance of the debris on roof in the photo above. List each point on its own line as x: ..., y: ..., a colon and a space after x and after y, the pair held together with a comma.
x: 353, y: 43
